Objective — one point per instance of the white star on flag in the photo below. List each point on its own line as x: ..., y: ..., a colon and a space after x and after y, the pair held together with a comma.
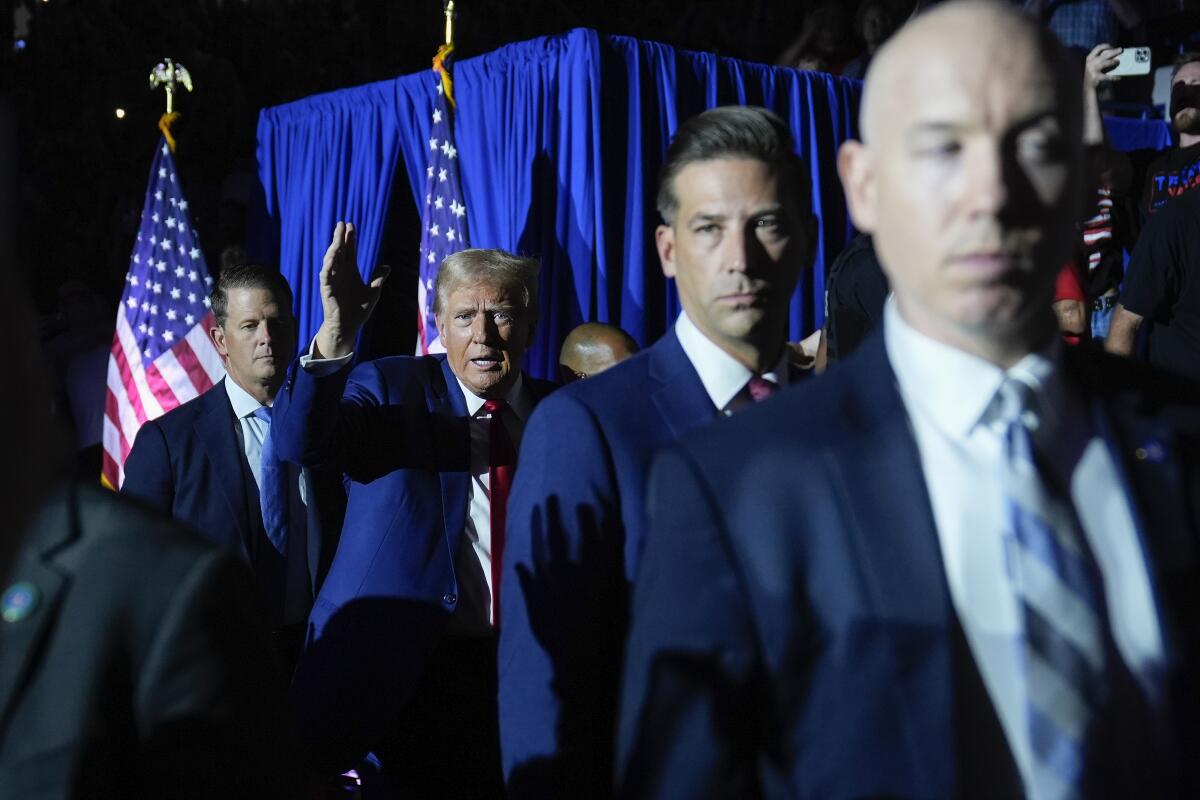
x: 437, y: 116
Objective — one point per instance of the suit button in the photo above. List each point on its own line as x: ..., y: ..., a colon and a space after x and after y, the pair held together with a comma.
x: 449, y: 599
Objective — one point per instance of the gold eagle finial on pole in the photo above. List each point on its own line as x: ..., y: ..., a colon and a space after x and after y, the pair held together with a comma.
x: 168, y: 75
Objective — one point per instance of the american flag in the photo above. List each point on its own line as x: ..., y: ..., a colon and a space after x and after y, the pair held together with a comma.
x: 444, y: 218
x: 161, y: 354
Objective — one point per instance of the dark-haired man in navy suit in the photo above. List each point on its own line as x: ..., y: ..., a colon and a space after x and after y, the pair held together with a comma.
x: 963, y: 562
x: 202, y: 462
x: 737, y: 229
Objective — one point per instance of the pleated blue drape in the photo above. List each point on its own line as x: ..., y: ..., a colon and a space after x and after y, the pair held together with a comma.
x: 560, y: 140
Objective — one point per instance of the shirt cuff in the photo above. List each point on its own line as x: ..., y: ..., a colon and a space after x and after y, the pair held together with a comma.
x: 320, y: 367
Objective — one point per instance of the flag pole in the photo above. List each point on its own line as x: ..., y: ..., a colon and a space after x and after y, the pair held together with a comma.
x: 168, y: 74
x: 448, y: 9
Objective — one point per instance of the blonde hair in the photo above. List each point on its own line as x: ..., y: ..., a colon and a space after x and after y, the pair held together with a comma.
x: 496, y: 267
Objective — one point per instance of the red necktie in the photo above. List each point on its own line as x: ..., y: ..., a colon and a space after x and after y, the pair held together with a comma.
x: 761, y: 388
x: 502, y: 459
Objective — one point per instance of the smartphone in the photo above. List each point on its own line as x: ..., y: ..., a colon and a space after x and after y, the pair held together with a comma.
x: 1132, y: 61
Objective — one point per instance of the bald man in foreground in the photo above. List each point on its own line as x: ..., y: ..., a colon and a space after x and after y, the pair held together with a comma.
x: 971, y: 571
x: 591, y: 348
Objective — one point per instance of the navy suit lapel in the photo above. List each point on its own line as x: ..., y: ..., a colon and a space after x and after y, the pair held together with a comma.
x: 896, y: 543
x: 681, y: 399
x: 214, y: 430
x: 20, y: 641
x: 444, y: 397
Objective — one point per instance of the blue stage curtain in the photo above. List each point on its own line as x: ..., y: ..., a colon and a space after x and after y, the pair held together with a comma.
x: 560, y: 140
x: 326, y: 158
x: 1127, y: 134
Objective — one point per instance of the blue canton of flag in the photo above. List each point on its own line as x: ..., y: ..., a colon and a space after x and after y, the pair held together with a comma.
x: 444, y: 217
x: 161, y: 354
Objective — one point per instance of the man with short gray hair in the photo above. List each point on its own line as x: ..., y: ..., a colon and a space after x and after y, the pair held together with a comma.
x: 401, y: 653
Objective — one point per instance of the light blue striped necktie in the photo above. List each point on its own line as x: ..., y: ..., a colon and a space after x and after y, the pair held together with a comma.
x: 1065, y: 646
x: 273, y: 491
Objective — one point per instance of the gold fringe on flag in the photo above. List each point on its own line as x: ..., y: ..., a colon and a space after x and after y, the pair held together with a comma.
x: 164, y: 124
x: 439, y: 66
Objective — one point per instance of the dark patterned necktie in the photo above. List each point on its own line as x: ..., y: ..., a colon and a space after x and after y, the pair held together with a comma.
x: 761, y: 388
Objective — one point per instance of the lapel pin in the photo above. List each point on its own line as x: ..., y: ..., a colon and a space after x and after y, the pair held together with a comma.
x: 19, y: 601
x: 1152, y: 451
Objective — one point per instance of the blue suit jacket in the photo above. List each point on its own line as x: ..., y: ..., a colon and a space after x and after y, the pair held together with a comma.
x: 399, y: 429
x: 189, y: 465
x: 575, y: 529
x: 793, y: 633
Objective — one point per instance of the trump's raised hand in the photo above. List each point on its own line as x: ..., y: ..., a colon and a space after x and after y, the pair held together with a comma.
x: 346, y: 299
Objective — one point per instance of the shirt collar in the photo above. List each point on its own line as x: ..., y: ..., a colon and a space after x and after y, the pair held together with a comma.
x: 723, y: 375
x: 517, y: 398
x: 244, y: 404
x: 955, y: 389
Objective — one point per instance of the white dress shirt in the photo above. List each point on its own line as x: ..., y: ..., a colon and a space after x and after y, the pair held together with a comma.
x: 251, y: 431
x: 723, y: 376
x: 473, y: 562
x: 948, y: 393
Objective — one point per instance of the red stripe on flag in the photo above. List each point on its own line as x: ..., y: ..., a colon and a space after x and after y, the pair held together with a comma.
x: 131, y: 391
x: 186, y: 357
x: 110, y: 467
x: 114, y: 416
x: 109, y: 471
x: 161, y: 389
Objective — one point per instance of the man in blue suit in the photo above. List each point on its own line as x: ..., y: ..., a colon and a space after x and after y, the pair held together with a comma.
x: 962, y: 563
x: 201, y: 463
x: 736, y: 232
x: 401, y: 658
